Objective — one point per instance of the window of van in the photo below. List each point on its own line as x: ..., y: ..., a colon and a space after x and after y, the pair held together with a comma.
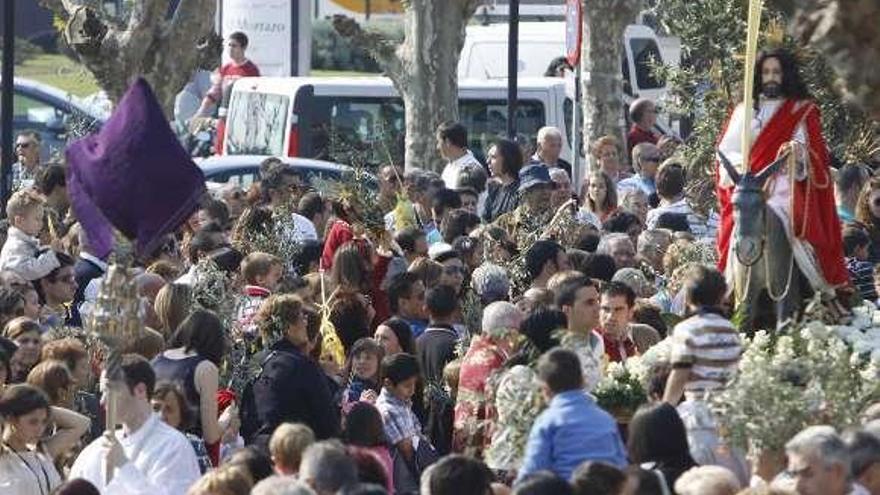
x: 486, y: 122
x: 345, y: 129
x: 645, y: 51
x: 257, y: 124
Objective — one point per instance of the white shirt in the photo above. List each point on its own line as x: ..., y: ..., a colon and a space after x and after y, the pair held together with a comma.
x: 161, y: 462
x: 27, y: 473
x: 452, y: 169
x: 19, y: 254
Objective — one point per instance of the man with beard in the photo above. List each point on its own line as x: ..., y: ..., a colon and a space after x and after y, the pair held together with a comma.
x: 785, y: 120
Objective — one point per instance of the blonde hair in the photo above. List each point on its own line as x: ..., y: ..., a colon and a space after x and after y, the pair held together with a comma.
x: 601, y: 143
x: 229, y: 479
x: 287, y: 444
x: 172, y: 306
x: 19, y: 326
x: 23, y: 202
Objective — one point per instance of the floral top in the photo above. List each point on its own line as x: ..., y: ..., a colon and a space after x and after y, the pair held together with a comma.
x: 485, y: 355
x: 590, y: 350
x: 518, y: 401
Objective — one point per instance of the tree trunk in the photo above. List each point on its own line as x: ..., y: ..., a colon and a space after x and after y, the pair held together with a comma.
x: 423, y: 69
x: 166, y: 52
x: 848, y: 32
x: 604, y: 24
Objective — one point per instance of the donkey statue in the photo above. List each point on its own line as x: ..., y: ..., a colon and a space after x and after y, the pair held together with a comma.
x: 765, y: 272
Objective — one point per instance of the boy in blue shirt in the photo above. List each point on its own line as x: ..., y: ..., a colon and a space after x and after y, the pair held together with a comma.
x: 572, y: 429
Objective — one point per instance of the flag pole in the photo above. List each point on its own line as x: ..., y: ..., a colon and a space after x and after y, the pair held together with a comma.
x: 754, y: 24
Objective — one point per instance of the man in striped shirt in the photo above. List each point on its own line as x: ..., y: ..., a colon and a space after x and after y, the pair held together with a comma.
x: 706, y: 349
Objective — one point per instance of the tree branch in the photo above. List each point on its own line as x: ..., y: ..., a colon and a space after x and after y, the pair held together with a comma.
x: 382, y: 49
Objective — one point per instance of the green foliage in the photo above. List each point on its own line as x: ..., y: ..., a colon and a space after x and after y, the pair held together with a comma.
x: 620, y: 390
x: 24, y: 50
x: 330, y: 51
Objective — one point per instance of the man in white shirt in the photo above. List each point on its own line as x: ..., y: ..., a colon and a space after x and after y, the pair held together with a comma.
x: 146, y: 456
x: 452, y: 141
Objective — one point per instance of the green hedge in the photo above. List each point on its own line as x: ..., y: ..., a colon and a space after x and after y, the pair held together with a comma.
x: 333, y: 52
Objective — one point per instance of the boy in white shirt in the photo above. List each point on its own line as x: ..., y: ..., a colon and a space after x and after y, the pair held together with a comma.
x: 22, y: 252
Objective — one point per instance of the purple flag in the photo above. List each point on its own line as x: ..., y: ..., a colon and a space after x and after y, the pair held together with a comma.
x: 133, y: 174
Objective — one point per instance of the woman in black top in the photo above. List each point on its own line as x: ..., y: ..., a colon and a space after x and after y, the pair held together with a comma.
x: 658, y: 441
x: 505, y: 160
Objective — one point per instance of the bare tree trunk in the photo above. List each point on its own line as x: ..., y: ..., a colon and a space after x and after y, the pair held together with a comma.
x: 166, y: 52
x: 604, y: 23
x: 848, y: 32
x: 423, y: 69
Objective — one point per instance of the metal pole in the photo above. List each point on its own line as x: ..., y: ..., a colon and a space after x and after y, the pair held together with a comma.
x: 512, y: 66
x: 8, y: 74
x: 576, y: 174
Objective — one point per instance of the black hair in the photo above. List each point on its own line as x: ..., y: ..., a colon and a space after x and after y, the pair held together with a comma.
x: 560, y: 370
x: 600, y: 266
x: 567, y: 291
x: 657, y: 434
x: 50, y: 177
x: 400, y: 286
x: 538, y: 327
x: 403, y: 332
x: 638, y: 109
x: 620, y: 289
x: 854, y: 238
x: 459, y: 474
x: 406, y: 238
x: 20, y: 399
x: 445, y: 199
x: 203, y: 242
x: 676, y: 222
x: 793, y: 86
x: 593, y: 477
x: 441, y: 301
x: 511, y: 156
x: 621, y: 221
x: 539, y: 254
x: 400, y: 367
x: 218, y: 211
x: 649, y: 483
x: 453, y: 132
x: 349, y: 316
x: 202, y: 331
x: 363, y: 426
x: 542, y: 483
x: 851, y: 177
x: 588, y: 241
x: 239, y: 37
x: 458, y: 223
x: 136, y: 370
x: 311, y: 204
x: 255, y: 461
x: 557, y: 64
x: 64, y: 261
x: 77, y: 486
x: 704, y: 286
x: 472, y: 178
x: 309, y: 253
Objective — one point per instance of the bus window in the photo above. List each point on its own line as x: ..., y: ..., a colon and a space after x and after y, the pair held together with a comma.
x: 257, y: 124
x: 486, y: 122
x: 348, y: 129
x: 645, y: 53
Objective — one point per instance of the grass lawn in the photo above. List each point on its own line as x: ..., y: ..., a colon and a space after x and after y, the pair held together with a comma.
x: 59, y: 71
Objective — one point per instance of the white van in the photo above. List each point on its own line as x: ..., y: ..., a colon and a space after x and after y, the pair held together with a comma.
x: 484, y: 55
x: 330, y: 118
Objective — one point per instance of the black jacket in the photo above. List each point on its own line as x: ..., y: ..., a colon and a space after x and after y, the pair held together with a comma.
x: 293, y: 388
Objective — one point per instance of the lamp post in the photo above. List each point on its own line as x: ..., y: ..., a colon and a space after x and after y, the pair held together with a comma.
x: 8, y: 82
x: 512, y: 66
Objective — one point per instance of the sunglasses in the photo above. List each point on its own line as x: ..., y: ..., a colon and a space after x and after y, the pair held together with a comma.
x: 23, y: 145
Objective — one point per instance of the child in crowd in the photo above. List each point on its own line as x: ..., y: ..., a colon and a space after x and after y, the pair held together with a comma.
x: 363, y: 428
x: 362, y: 371
x: 287, y: 444
x: 856, y: 245
x: 261, y: 273
x: 22, y: 252
x: 573, y: 429
x: 400, y: 373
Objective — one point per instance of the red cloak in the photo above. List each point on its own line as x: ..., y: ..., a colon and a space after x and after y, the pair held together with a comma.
x: 814, y: 214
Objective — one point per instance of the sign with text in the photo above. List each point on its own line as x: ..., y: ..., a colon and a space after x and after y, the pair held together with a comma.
x: 273, y: 31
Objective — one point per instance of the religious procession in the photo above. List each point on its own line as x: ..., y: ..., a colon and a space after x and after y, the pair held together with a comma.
x: 248, y: 264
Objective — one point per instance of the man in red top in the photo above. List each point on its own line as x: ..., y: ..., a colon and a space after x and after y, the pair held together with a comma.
x: 621, y: 337
x: 643, y: 114
x: 240, y: 66
x: 804, y: 198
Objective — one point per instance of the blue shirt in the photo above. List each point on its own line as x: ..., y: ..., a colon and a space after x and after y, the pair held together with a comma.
x: 418, y: 327
x: 638, y: 182
x: 572, y: 429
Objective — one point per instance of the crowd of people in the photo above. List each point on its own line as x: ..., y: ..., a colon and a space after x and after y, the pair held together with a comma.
x: 450, y: 347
